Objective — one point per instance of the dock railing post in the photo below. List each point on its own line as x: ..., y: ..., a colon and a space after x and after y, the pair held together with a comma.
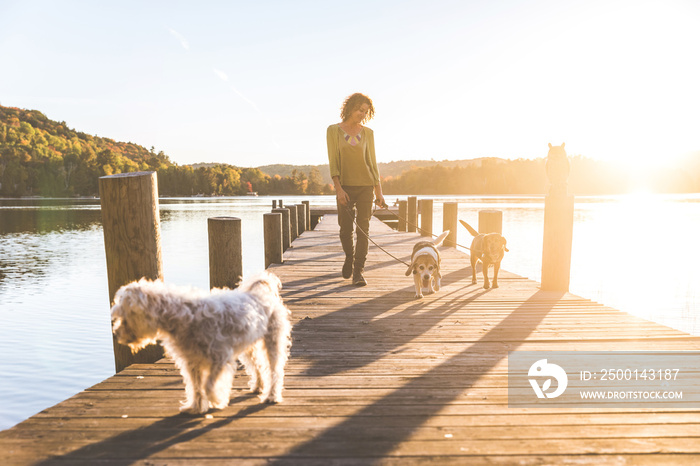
x: 426, y: 217
x: 491, y: 221
x: 558, y: 223
x: 131, y: 227
x: 286, y: 233
x: 403, y: 207
x: 301, y: 219
x: 293, y: 220
x: 412, y: 214
x: 449, y: 222
x: 272, y: 229
x: 307, y: 206
x: 225, y: 252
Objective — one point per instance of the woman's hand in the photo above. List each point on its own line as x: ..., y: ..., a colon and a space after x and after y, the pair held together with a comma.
x: 379, y: 197
x: 380, y: 201
x: 342, y: 196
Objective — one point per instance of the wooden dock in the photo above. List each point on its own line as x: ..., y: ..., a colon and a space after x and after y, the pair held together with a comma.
x: 378, y: 377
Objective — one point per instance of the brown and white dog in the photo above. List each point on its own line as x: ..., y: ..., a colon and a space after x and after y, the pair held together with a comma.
x: 425, y: 265
x: 488, y: 248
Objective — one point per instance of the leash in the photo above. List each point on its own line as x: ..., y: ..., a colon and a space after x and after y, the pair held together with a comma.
x: 354, y: 220
x: 384, y: 207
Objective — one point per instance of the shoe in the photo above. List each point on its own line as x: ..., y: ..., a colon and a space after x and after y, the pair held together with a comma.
x: 347, y: 267
x: 358, y: 278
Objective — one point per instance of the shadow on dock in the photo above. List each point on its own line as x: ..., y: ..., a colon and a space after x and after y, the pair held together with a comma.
x: 363, y: 426
x: 324, y: 363
x: 139, y: 444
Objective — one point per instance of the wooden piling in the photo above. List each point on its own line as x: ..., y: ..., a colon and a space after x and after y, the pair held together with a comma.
x: 557, y: 240
x: 412, y: 214
x: 558, y: 223
x: 449, y: 222
x: 403, y: 208
x: 301, y: 219
x: 426, y: 217
x: 225, y: 252
x: 280, y: 204
x: 307, y: 209
x: 293, y: 221
x: 491, y: 221
x: 286, y: 229
x: 131, y: 226
x: 272, y: 232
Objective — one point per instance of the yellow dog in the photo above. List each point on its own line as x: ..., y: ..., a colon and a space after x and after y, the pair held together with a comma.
x: 489, y: 249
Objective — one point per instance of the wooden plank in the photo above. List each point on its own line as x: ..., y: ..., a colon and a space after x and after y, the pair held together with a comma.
x: 377, y: 376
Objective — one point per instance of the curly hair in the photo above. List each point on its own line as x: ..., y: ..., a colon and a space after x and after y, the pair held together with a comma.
x: 354, y: 101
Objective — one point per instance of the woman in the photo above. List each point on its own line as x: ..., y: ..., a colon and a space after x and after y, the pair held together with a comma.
x: 356, y: 178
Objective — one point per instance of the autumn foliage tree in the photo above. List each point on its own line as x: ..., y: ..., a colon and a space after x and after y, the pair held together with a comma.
x: 41, y: 157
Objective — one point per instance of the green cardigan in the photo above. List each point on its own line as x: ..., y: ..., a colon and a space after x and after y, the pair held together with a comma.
x: 333, y: 137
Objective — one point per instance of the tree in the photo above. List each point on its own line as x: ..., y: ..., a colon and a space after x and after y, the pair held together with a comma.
x: 315, y: 184
x: 300, y: 181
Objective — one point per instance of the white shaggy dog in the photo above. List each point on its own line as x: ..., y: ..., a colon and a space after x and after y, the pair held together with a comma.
x: 205, y: 332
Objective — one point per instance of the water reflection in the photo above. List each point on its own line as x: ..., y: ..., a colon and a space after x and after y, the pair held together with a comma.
x: 57, y: 215
x: 44, y: 220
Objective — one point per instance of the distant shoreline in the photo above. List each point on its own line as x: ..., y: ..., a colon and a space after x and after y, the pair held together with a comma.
x: 387, y: 196
x: 97, y: 198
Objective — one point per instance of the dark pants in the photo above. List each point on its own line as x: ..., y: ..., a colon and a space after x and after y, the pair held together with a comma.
x: 360, y: 208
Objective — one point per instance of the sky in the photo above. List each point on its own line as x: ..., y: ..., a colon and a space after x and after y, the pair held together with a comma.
x: 252, y: 83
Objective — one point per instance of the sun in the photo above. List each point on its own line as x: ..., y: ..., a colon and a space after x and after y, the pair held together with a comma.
x: 630, y: 94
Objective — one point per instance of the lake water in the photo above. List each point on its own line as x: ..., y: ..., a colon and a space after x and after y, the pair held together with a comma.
x: 635, y: 253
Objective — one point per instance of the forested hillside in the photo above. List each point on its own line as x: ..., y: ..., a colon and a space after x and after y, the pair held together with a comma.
x: 491, y: 175
x: 527, y: 176
x: 41, y: 157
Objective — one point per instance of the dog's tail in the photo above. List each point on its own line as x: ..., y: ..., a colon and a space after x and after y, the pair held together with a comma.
x: 262, y: 282
x: 438, y: 241
x: 471, y: 230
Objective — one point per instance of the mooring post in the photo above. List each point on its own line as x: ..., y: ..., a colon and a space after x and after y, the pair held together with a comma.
x: 491, y: 221
x: 307, y: 209
x: 225, y: 252
x: 449, y: 222
x: 286, y: 229
x: 301, y: 219
x: 274, y: 203
x: 426, y: 217
x: 293, y: 220
x: 280, y: 204
x: 403, y: 208
x: 558, y: 223
x: 131, y: 226
x: 272, y: 232
x: 412, y: 214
